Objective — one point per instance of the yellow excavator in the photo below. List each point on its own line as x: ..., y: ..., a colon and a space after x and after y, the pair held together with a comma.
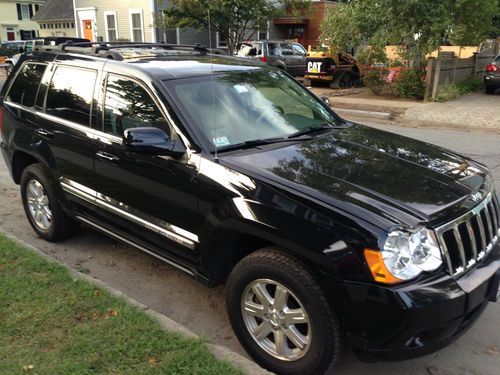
x: 340, y: 69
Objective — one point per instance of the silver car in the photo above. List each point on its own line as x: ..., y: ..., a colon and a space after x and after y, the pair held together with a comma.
x: 288, y: 56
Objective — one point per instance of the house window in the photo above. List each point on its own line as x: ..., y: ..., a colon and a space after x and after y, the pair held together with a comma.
x: 221, y: 39
x: 72, y: 25
x: 27, y: 34
x: 136, y: 25
x: 25, y: 11
x: 111, y: 27
x: 264, y: 34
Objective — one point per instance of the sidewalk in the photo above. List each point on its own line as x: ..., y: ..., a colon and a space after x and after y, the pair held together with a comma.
x: 476, y: 111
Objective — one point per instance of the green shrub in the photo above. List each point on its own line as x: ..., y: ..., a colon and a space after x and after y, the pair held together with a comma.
x: 374, y: 80
x: 410, y: 84
x: 450, y: 91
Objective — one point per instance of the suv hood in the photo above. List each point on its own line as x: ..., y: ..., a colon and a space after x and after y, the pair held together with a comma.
x: 364, y: 170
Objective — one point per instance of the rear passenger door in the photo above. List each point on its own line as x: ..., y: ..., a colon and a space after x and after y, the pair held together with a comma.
x: 287, y: 53
x: 64, y: 129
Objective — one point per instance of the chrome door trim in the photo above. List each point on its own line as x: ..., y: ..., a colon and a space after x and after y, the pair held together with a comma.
x: 89, y: 132
x: 131, y: 243
x: 19, y: 106
x: 170, y: 231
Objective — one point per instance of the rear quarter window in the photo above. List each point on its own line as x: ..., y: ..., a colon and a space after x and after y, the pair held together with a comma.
x: 249, y: 49
x: 70, y: 94
x: 25, y: 86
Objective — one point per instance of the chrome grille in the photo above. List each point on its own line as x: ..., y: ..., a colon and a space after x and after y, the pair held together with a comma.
x: 468, y: 239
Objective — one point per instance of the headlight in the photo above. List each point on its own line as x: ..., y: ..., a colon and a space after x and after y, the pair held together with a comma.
x: 404, y: 256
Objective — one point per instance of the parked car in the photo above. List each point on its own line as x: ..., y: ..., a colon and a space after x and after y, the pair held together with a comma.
x: 27, y: 46
x: 322, y: 230
x: 288, y: 56
x: 492, y: 76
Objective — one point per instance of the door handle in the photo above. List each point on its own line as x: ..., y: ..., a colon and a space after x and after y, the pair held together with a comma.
x: 106, y: 156
x: 43, y: 133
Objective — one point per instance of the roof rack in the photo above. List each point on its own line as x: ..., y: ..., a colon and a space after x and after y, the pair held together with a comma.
x: 125, y: 50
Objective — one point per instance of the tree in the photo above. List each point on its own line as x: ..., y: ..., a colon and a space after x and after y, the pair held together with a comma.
x: 235, y: 19
x: 418, y: 26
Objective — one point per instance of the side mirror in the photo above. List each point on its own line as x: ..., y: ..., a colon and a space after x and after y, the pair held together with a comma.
x: 326, y: 100
x: 152, y: 141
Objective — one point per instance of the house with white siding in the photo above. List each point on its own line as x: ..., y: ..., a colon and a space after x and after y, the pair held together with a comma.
x: 16, y: 19
x: 127, y: 20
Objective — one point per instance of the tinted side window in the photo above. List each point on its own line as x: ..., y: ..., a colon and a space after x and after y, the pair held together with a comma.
x: 70, y: 94
x: 24, y: 88
x: 128, y: 105
x: 286, y: 49
x: 273, y: 49
x: 298, y: 50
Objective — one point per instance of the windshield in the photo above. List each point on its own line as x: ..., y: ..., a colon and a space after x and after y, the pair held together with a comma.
x: 234, y: 108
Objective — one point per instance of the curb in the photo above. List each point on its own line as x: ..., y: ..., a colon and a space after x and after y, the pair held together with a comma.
x: 360, y: 113
x: 167, y: 324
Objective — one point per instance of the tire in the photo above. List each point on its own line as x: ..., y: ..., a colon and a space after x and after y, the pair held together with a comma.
x: 270, y: 270
x: 490, y: 90
x: 41, y: 203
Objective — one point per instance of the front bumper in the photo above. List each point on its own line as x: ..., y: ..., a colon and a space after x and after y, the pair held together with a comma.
x: 387, y: 323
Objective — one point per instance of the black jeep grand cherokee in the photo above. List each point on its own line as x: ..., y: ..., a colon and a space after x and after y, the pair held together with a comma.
x: 322, y: 230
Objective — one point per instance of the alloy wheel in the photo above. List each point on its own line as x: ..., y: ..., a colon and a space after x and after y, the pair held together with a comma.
x: 276, y: 319
x: 38, y: 205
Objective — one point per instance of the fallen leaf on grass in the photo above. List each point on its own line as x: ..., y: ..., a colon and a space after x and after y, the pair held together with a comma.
x: 152, y: 361
x: 98, y: 293
x: 113, y: 313
x: 28, y: 368
x: 80, y: 316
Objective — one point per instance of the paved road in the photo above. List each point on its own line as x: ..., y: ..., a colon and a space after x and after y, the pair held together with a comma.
x: 202, y: 310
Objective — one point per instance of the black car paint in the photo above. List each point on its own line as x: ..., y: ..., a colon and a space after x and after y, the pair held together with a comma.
x: 492, y: 79
x: 323, y: 200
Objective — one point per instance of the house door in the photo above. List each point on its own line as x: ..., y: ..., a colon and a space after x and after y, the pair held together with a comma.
x: 11, y: 35
x: 87, y: 30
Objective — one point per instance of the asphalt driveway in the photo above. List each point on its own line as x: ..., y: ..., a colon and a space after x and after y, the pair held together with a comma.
x: 202, y: 310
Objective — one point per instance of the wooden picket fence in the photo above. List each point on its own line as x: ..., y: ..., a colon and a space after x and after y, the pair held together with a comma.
x: 445, y: 69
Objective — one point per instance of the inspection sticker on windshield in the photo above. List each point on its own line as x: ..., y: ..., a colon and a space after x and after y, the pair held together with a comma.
x: 240, y: 88
x: 221, y: 141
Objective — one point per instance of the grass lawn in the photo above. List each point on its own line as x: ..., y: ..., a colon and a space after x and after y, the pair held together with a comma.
x: 53, y: 324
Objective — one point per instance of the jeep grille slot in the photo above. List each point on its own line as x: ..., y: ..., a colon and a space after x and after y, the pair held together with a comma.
x: 468, y: 239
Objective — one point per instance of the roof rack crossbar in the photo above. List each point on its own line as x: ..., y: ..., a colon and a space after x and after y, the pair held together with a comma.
x: 111, y: 50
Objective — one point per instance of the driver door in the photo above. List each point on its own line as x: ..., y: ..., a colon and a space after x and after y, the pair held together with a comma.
x: 151, y: 198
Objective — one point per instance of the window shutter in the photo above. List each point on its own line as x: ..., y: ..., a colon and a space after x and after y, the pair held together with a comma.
x: 19, y: 14
x: 31, y: 10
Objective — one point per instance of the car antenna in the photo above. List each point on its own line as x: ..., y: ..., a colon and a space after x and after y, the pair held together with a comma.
x: 212, y: 86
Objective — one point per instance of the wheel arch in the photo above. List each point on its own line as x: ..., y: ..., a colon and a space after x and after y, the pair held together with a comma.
x: 219, y: 258
x: 20, y: 161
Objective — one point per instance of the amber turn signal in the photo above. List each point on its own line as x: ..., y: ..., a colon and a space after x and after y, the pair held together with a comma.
x: 378, y: 269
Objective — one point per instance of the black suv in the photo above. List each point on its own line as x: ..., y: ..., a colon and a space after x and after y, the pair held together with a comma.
x: 321, y: 229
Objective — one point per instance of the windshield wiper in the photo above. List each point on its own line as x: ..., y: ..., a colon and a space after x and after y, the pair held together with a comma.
x: 314, y: 129
x: 255, y: 143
